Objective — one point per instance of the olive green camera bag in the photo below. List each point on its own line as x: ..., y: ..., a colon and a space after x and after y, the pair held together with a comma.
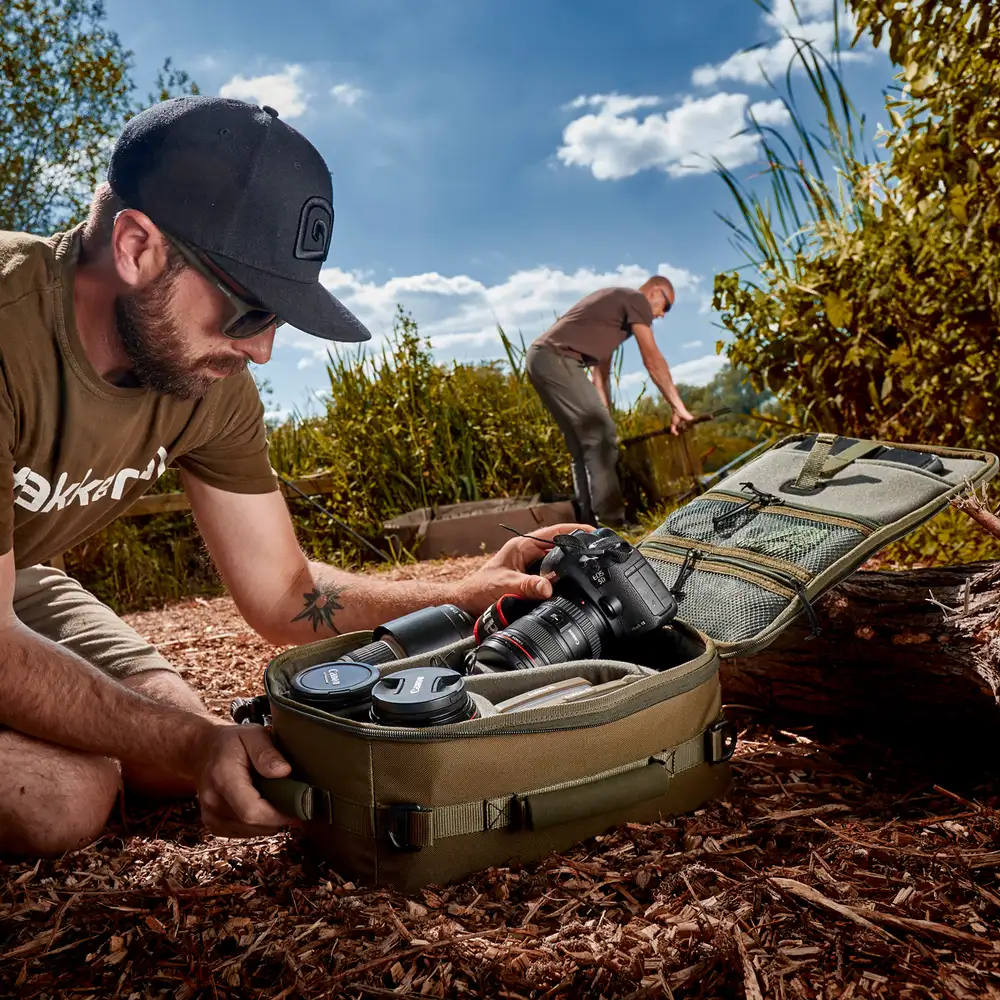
x: 406, y: 807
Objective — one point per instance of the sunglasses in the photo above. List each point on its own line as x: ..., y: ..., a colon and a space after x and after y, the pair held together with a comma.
x: 666, y: 302
x: 248, y: 318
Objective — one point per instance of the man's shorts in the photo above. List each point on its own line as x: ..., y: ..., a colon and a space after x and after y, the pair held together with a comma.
x: 57, y: 607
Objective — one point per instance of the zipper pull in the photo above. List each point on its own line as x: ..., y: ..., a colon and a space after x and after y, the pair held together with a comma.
x: 687, y: 568
x: 759, y: 497
x: 764, y: 499
x: 810, y: 611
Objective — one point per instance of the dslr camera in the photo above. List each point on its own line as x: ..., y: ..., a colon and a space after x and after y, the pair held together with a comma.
x: 605, y: 593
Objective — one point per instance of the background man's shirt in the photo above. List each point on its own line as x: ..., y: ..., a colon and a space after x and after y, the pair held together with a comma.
x: 76, y: 451
x: 593, y: 328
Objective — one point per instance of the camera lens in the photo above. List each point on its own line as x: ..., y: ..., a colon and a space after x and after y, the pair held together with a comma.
x: 340, y: 687
x: 420, y: 632
x: 422, y: 696
x: 555, y: 632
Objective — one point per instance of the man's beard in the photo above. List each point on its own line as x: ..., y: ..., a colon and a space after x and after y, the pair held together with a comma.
x: 154, y: 344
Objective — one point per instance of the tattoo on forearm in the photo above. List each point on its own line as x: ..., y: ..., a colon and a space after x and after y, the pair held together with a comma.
x: 321, y: 604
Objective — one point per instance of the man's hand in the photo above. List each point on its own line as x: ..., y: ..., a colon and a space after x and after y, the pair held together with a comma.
x: 506, y: 572
x: 681, y: 416
x: 230, y: 805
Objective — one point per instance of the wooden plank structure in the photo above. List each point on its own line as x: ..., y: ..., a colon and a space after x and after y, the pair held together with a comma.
x: 169, y: 503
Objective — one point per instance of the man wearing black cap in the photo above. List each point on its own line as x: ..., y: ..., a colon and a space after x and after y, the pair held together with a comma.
x: 124, y: 346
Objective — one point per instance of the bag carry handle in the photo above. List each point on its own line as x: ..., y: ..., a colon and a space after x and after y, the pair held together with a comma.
x: 288, y: 796
x: 819, y: 462
x: 546, y: 809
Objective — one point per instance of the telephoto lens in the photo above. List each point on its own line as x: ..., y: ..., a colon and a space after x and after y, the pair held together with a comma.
x: 422, y: 696
x: 338, y: 687
x: 421, y: 631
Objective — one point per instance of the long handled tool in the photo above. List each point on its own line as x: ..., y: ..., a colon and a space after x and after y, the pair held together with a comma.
x: 660, y: 431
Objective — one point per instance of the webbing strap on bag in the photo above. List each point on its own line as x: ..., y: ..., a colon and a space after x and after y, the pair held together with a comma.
x: 820, y: 463
x: 409, y: 826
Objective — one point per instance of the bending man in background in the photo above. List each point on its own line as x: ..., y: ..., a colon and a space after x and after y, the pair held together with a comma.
x: 586, y: 336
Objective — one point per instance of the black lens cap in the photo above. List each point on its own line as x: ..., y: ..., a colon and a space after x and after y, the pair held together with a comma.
x: 335, y: 686
x: 421, y: 696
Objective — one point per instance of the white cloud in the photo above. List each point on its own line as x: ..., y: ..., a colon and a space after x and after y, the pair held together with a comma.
x: 306, y: 362
x: 691, y: 345
x: 282, y: 91
x: 700, y: 371
x: 613, y: 143
x: 346, y: 94
x: 617, y: 104
x: 681, y: 278
x: 455, y: 311
x: 808, y: 21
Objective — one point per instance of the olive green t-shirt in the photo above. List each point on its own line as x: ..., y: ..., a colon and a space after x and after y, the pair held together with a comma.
x: 77, y: 451
x: 596, y: 325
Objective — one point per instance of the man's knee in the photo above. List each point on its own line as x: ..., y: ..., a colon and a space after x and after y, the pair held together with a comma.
x: 52, y: 799
x: 598, y: 434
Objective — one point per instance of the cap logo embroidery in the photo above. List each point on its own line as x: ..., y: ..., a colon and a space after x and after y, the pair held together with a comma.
x: 315, y: 229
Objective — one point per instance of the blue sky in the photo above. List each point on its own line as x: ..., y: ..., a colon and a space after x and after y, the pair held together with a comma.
x: 495, y: 161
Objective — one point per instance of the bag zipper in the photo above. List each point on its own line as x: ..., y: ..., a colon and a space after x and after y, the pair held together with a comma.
x: 857, y: 522
x: 724, y: 565
x: 710, y: 548
x: 758, y: 498
x: 627, y: 702
x: 779, y: 582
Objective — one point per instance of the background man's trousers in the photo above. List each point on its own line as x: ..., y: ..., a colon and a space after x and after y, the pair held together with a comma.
x: 589, y: 430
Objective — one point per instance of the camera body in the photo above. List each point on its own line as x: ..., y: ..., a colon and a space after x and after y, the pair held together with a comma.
x: 604, y: 593
x: 607, y: 571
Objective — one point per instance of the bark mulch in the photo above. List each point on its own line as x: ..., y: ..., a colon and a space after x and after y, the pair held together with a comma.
x: 837, y: 867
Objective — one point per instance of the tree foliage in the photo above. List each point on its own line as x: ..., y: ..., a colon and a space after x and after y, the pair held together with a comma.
x: 873, y: 298
x: 65, y: 90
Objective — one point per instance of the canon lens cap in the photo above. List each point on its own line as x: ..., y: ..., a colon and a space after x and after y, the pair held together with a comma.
x: 421, y: 696
x: 335, y: 686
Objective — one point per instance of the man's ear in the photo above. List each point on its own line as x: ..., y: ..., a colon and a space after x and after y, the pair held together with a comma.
x: 139, y: 250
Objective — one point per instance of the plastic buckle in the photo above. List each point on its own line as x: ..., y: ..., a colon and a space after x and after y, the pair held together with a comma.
x: 397, y: 825
x: 720, y: 741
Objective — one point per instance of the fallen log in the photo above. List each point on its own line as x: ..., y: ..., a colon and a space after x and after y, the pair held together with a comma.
x: 899, y: 650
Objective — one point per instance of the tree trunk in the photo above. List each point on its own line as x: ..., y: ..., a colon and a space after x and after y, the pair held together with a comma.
x: 888, y: 654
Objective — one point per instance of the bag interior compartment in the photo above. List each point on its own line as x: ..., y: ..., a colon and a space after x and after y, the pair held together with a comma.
x: 675, y: 652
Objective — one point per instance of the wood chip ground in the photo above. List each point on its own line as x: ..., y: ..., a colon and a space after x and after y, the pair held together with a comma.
x: 837, y: 868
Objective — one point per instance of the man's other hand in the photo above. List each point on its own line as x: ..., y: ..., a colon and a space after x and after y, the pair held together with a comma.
x: 230, y: 804
x: 506, y: 572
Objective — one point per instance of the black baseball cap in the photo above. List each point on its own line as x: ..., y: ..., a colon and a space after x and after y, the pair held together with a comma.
x: 234, y: 181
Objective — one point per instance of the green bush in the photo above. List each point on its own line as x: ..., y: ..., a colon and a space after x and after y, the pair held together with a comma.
x: 398, y: 432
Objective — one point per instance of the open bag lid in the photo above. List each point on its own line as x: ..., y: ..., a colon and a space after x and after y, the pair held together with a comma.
x: 750, y: 556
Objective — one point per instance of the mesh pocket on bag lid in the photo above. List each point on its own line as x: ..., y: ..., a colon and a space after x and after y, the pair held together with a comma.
x: 810, y: 544
x: 727, y: 608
